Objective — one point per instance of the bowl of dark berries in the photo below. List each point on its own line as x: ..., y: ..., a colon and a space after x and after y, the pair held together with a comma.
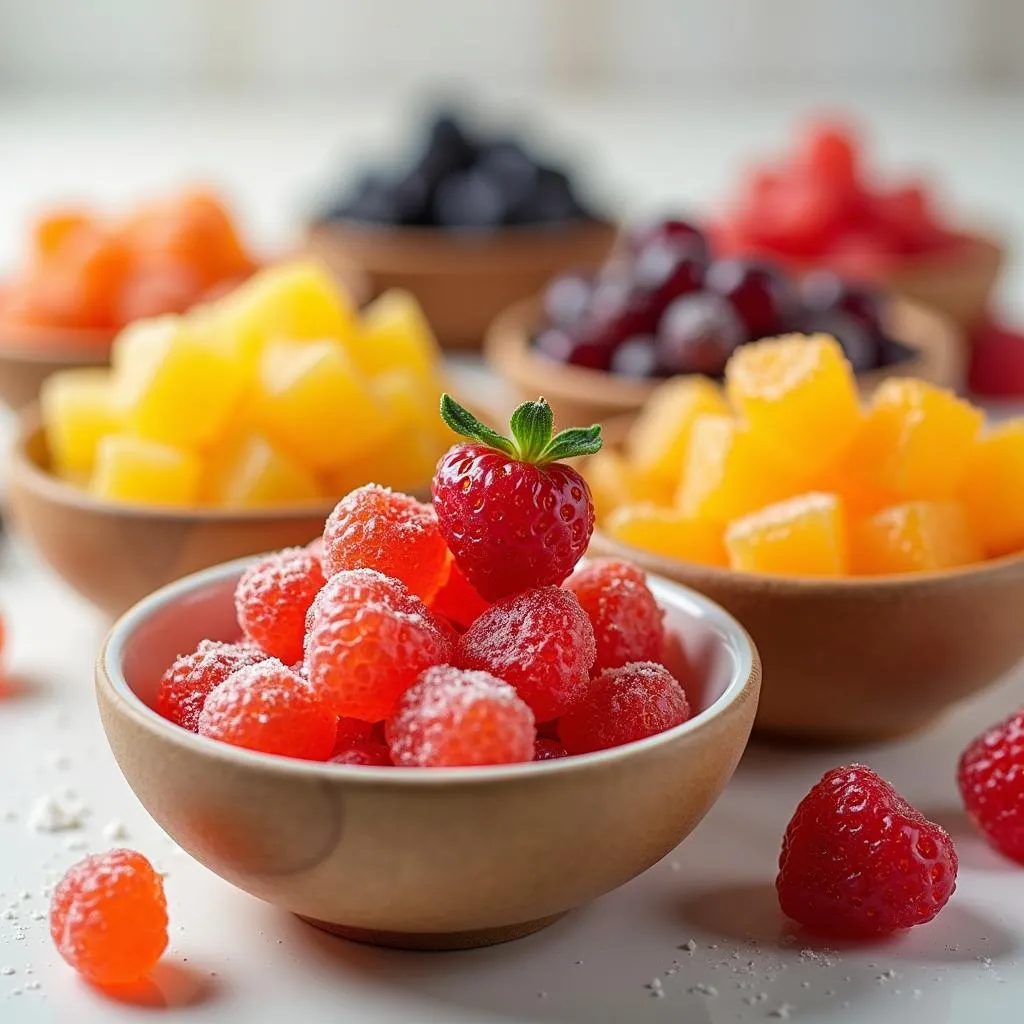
x: 662, y: 305
x: 470, y: 224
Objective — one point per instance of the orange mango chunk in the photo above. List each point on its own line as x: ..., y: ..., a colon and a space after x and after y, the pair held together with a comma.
x: 657, y: 441
x: 614, y: 481
x: 994, y: 489
x: 802, y: 536
x: 917, y: 536
x: 251, y: 473
x: 799, y: 396
x: 666, y: 531
x: 916, y: 440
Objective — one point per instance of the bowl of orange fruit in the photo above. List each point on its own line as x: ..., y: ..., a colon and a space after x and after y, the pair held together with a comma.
x: 87, y: 276
x: 874, y: 548
x: 225, y: 431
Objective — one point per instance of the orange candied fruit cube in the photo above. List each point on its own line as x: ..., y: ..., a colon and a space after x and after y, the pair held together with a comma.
x: 666, y: 531
x: 802, y: 536
x: 994, y: 489
x: 916, y: 440
x: 799, y: 396
x: 917, y: 536
x: 54, y: 228
x: 614, y: 481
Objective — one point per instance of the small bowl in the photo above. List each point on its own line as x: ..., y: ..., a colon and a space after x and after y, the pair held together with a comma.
x: 463, y: 280
x: 864, y: 658
x: 580, y: 395
x: 421, y: 858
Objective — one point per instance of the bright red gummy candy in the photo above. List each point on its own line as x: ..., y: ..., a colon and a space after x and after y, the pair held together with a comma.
x: 548, y: 750
x: 351, y: 732
x: 622, y: 705
x: 991, y: 780
x: 272, y: 597
x: 858, y: 861
x: 375, y: 528
x: 369, y: 639
x: 185, y: 685
x: 541, y: 642
x: 453, y: 717
x: 108, y: 917
x: 626, y: 619
x: 458, y: 600
x: 369, y: 753
x: 267, y: 707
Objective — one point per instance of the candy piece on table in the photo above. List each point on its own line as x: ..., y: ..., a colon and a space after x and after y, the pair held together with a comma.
x: 614, y: 481
x: 457, y: 600
x: 799, y: 397
x: 859, y: 862
x: 108, y: 917
x: 668, y: 532
x: 375, y: 528
x: 915, y: 441
x: 370, y: 753
x: 272, y: 598
x: 314, y: 403
x: 659, y: 437
x: 918, y: 536
x: 394, y: 335
x: 190, y: 678
x: 451, y: 717
x: 251, y: 473
x: 728, y: 473
x: 79, y: 408
x: 53, y: 229
x: 993, y: 489
x: 626, y: 618
x: 548, y: 750
x: 268, y: 708
x: 132, y: 469
x: 622, y: 705
x: 368, y: 639
x: 539, y: 641
x: 802, y: 536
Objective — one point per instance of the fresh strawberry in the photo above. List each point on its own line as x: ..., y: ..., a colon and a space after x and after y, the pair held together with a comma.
x: 514, y: 517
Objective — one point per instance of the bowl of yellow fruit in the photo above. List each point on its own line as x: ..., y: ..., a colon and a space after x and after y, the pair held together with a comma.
x: 874, y: 549
x: 226, y: 431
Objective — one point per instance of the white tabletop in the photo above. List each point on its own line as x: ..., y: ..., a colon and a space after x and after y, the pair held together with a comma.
x: 233, y: 958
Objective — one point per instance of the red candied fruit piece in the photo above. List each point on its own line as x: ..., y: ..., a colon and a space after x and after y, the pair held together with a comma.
x: 370, y: 753
x: 267, y: 707
x: 369, y: 639
x: 272, y: 597
x: 376, y: 528
x: 541, y: 642
x: 859, y: 862
x: 622, y: 705
x: 191, y: 677
x: 829, y: 154
x: 626, y: 619
x: 108, y: 917
x: 991, y: 781
x: 548, y: 750
x: 458, y: 600
x: 452, y: 717
x: 351, y: 732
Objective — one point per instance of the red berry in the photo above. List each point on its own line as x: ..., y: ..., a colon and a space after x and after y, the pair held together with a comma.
x: 541, y: 642
x: 626, y: 619
x: 991, y: 780
x: 185, y: 685
x: 858, y: 861
x: 375, y: 528
x: 108, y: 917
x: 351, y: 733
x: 622, y: 705
x: 272, y: 597
x: 830, y: 155
x: 369, y: 639
x: 452, y: 717
x: 458, y: 601
x: 513, y: 516
x: 369, y: 753
x: 267, y: 707
x: 548, y: 750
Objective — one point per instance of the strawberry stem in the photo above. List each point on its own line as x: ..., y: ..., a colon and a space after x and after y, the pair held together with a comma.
x: 531, y: 426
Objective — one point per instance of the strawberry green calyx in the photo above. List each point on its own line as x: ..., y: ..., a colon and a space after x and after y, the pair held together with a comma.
x: 531, y: 427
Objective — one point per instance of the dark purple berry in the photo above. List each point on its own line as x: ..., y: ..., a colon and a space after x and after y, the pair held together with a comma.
x: 677, y: 233
x: 763, y: 298
x: 566, y: 299
x: 861, y: 345
x: 824, y: 291
x: 698, y: 333
x: 637, y: 357
x: 469, y: 200
x: 553, y: 343
x: 590, y: 355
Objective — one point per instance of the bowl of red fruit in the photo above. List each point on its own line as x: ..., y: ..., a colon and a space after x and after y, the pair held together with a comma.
x: 663, y: 306
x: 469, y: 225
x: 824, y: 207
x: 434, y: 728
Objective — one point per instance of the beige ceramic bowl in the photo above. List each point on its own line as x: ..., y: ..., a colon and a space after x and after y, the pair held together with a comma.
x: 867, y: 658
x: 422, y: 858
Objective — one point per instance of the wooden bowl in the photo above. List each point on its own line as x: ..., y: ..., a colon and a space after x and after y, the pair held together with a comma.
x: 464, y: 280
x: 580, y: 395
x: 866, y: 658
x: 436, y: 858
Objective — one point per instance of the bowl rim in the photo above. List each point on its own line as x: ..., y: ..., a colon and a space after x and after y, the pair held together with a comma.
x: 745, y: 678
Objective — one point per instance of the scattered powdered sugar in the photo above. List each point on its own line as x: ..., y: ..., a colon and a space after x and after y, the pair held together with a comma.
x: 54, y: 814
x: 7, y: 971
x: 701, y: 989
x: 115, y: 830
x: 689, y: 945
x: 783, y: 1011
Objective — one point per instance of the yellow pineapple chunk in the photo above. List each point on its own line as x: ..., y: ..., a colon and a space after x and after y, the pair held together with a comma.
x: 614, y: 481
x: 132, y: 469
x: 917, y: 536
x: 666, y: 531
x: 79, y: 408
x: 254, y: 474
x: 395, y: 335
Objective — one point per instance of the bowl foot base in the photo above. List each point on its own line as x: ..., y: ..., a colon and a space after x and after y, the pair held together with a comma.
x: 435, y: 940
